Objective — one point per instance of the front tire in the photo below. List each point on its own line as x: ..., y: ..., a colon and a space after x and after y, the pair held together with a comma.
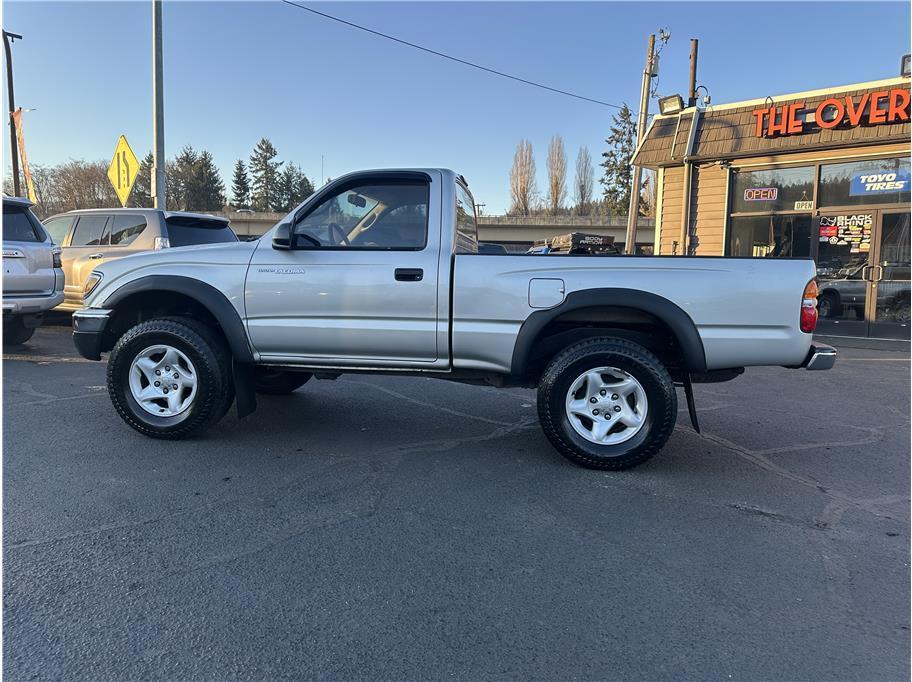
x: 170, y: 378
x: 607, y: 403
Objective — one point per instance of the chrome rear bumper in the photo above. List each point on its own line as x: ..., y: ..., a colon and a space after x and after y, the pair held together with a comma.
x: 820, y: 356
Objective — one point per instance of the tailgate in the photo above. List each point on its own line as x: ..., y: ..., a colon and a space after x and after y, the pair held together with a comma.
x: 28, y: 261
x: 28, y: 269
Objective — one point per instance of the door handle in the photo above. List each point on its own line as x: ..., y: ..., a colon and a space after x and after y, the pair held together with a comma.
x: 877, y: 273
x: 95, y: 256
x: 409, y: 274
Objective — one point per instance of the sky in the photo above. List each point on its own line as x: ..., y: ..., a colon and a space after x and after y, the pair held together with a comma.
x: 238, y: 71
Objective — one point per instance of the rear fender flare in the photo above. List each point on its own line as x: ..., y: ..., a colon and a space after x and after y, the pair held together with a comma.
x: 680, y: 323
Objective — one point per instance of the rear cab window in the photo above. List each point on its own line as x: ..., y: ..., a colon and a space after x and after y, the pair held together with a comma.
x: 190, y: 231
x: 466, y: 224
x: 20, y: 225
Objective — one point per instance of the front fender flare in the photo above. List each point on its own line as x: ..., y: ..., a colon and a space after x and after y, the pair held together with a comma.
x: 205, y: 294
x: 680, y: 323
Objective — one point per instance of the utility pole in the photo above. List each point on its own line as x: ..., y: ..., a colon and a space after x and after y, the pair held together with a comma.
x: 692, y: 87
x: 158, y: 134
x: 634, y: 211
x: 11, y: 100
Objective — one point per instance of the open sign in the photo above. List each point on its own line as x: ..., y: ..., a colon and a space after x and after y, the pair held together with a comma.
x: 761, y: 194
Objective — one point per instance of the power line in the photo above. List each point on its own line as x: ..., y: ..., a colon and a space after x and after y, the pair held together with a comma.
x: 450, y: 57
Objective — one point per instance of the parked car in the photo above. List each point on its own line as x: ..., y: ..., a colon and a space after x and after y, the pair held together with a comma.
x: 91, y: 237
x: 846, y: 290
x: 377, y: 272
x: 32, y: 277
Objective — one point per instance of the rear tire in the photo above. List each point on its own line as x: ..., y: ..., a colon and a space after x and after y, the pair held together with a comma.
x: 166, y: 350
x: 269, y: 381
x: 15, y: 332
x: 901, y: 312
x: 607, y: 403
x: 828, y: 306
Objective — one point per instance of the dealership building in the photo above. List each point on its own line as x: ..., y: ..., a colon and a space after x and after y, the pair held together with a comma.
x: 822, y: 174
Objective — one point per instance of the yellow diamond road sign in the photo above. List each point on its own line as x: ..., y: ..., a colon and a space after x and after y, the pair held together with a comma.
x: 123, y: 170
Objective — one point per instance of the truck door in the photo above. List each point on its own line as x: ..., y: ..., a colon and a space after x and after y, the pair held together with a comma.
x: 359, y: 283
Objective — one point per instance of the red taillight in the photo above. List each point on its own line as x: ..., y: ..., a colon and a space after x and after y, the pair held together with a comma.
x: 808, y: 319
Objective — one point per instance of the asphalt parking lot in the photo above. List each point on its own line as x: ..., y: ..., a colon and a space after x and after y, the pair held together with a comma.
x: 398, y: 528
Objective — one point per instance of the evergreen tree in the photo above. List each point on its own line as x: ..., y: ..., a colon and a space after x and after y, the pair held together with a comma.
x: 240, y: 186
x: 182, y: 185
x: 303, y: 188
x: 285, y: 189
x: 141, y: 196
x: 208, y: 186
x: 194, y: 183
x: 264, y: 171
x: 617, y: 176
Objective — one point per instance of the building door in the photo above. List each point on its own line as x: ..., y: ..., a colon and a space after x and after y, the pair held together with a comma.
x: 845, y: 271
x: 889, y: 309
x: 863, y: 273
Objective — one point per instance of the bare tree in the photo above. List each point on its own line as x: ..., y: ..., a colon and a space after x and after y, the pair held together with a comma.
x: 522, y: 179
x: 582, y: 188
x: 557, y: 175
x: 648, y: 195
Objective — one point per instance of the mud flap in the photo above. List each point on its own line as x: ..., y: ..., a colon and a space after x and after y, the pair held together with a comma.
x: 691, y: 406
x: 244, y: 389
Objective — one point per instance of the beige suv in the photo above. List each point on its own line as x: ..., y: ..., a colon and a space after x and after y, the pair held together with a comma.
x: 91, y: 237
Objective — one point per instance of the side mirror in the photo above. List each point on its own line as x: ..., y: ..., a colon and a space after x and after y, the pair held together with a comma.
x: 281, y: 239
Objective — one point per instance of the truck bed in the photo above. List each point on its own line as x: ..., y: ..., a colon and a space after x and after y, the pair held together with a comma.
x: 746, y: 310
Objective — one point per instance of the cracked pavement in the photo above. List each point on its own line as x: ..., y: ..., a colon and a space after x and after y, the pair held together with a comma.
x: 407, y: 528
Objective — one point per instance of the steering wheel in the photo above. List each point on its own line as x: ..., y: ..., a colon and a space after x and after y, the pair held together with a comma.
x: 338, y: 234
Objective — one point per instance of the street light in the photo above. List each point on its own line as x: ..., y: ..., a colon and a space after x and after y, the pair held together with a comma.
x: 11, y: 100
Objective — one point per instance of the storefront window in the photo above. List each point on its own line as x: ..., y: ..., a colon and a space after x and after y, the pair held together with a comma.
x: 877, y: 181
x: 771, y: 236
x: 775, y: 189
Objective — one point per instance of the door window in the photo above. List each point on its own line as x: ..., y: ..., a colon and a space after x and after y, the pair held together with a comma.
x: 90, y: 231
x: 58, y: 228
x: 844, y: 250
x: 126, y: 228
x: 893, y: 287
x: 388, y: 216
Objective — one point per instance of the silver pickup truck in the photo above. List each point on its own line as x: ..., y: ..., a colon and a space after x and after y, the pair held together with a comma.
x: 379, y: 272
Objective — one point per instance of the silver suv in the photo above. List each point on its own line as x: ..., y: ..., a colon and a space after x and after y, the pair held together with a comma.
x: 32, y: 277
x: 94, y: 236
